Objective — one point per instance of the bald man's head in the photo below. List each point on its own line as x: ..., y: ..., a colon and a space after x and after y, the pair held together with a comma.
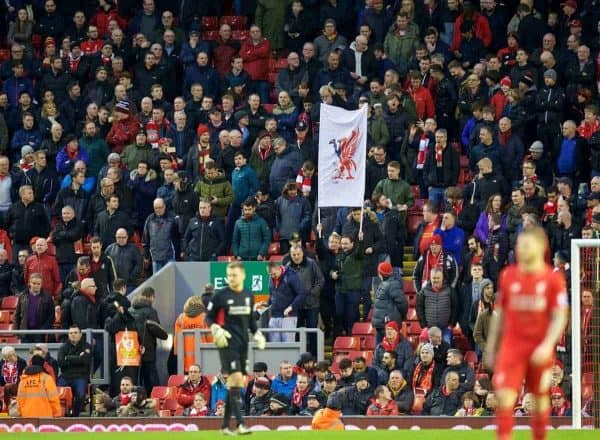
x: 88, y: 285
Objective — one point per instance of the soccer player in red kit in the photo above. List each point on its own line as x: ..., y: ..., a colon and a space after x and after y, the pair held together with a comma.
x: 532, y: 312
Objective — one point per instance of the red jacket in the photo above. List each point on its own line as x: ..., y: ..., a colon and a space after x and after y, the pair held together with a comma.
x: 47, y: 266
x: 102, y: 18
x: 122, y: 133
x: 498, y: 101
x: 376, y: 409
x: 90, y: 47
x: 222, y: 55
x: 256, y: 58
x: 423, y: 102
x: 186, y: 391
x: 586, y: 130
x: 481, y: 26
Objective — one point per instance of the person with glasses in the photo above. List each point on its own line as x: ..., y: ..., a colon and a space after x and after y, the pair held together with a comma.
x: 75, y: 360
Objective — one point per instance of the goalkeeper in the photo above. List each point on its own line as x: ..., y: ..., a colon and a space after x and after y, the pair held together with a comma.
x: 230, y: 316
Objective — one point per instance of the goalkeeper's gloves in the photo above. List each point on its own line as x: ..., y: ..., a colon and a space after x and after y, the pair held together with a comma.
x: 220, y: 335
x: 260, y: 340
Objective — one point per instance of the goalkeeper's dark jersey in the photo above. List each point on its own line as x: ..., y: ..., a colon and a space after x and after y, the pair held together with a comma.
x: 235, y: 313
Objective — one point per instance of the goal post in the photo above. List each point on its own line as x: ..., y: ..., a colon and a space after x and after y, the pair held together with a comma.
x: 585, y: 355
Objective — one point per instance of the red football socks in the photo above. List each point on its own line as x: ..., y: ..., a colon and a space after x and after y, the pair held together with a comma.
x: 504, y: 422
x: 539, y: 421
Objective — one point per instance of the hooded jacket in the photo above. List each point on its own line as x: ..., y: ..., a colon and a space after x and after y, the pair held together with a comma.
x: 37, y: 395
x: 390, y: 303
x: 148, y: 326
x: 285, y: 168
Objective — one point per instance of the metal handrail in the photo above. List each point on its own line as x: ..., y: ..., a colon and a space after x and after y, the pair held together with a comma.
x: 88, y: 333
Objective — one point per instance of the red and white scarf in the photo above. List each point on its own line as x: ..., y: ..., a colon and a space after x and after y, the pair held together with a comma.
x: 422, y: 153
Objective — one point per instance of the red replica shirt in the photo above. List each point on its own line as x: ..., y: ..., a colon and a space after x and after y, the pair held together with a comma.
x: 528, y: 300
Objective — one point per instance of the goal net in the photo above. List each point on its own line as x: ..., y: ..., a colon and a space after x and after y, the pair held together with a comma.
x: 585, y: 332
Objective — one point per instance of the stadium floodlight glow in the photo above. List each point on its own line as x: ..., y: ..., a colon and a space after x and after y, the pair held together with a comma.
x: 585, y: 274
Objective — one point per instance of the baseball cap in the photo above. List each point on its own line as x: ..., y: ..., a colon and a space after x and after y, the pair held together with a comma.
x: 262, y: 382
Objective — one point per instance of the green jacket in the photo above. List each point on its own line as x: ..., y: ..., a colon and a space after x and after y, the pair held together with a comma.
x: 219, y: 188
x: 396, y: 190
x: 377, y: 131
x: 251, y: 238
x: 132, y: 155
x: 270, y: 17
x: 97, y: 150
x: 260, y: 166
x: 349, y: 267
x: 400, y: 49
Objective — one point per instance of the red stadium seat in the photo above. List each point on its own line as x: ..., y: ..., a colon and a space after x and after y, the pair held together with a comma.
x: 170, y: 405
x: 175, y: 380
x: 462, y: 343
x: 272, y: 78
x: 268, y: 107
x: 408, y: 287
x: 66, y: 399
x: 479, y: 376
x: 225, y: 258
x: 210, y: 23
x: 6, y: 327
x: 367, y: 343
x: 276, y: 258
x: 412, y: 300
x: 5, y: 316
x: 411, y: 315
x: 362, y: 328
x: 4, y: 55
x: 418, y: 205
x: 161, y: 393
x: 164, y: 413
x: 416, y: 192
x: 471, y: 359
x: 413, y: 222
x: 413, y: 328
x: 6, y: 339
x: 281, y: 63
x: 240, y: 35
x: 237, y: 22
x: 210, y: 35
x: 346, y: 344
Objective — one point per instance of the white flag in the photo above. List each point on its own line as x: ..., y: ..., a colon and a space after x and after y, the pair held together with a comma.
x: 342, y: 156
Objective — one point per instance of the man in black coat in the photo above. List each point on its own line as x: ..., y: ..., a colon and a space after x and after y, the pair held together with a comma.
x: 441, y: 167
x: 204, y: 239
x: 6, y: 270
x: 148, y: 326
x: 75, y: 359
x: 110, y: 220
x: 64, y: 236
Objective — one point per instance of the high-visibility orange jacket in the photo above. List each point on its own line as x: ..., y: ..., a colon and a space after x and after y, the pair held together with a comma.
x: 327, y: 419
x: 37, y: 395
x: 186, y: 322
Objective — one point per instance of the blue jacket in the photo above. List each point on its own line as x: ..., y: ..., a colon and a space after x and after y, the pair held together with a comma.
x: 493, y: 152
x: 24, y: 137
x: 207, y: 76
x: 292, y: 215
x: 64, y: 164
x: 453, y: 241
x: 244, y: 183
x: 286, y: 124
x: 144, y: 190
x: 284, y: 169
x: 13, y: 86
x: 284, y: 387
x: 287, y: 291
x: 188, y: 54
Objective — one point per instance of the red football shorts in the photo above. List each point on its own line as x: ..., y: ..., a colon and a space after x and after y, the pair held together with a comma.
x: 513, y: 365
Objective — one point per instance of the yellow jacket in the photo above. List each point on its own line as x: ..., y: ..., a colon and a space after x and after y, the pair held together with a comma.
x: 37, y: 395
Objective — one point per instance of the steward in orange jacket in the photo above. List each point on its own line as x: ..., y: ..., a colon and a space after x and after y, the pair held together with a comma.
x: 193, y: 317
x: 37, y: 395
x: 329, y: 418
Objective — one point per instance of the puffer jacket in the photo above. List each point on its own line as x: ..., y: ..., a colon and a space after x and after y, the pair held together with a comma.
x: 312, y: 278
x: 251, y: 238
x: 390, y: 303
x: 37, y: 395
x: 161, y: 237
x: 442, y: 403
x: 244, y: 183
x: 204, y: 239
x: 143, y: 312
x: 259, y: 405
x: 187, y: 391
x: 439, y: 308
x: 292, y: 215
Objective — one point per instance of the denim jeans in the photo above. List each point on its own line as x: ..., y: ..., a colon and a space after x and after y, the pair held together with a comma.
x: 288, y: 322
x: 346, y: 309
x: 78, y: 388
x: 158, y: 265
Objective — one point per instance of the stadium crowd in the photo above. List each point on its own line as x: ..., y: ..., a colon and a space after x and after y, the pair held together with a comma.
x: 138, y: 132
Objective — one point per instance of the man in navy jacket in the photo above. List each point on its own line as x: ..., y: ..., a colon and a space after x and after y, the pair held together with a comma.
x: 286, y: 298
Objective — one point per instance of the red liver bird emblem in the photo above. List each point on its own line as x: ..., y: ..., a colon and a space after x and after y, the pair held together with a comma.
x: 345, y: 149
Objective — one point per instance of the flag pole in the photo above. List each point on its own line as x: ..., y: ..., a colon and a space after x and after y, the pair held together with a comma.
x: 319, y: 222
x: 362, y: 214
